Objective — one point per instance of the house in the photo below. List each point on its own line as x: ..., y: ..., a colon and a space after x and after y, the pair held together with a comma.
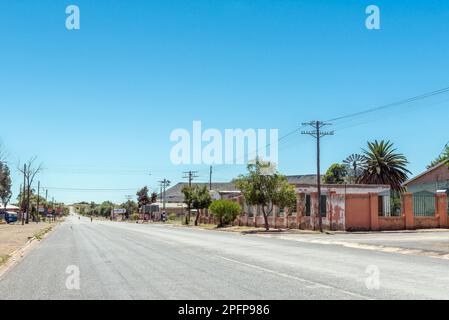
x: 175, y: 195
x: 343, y: 207
x: 346, y: 207
x: 9, y: 208
x: 430, y: 181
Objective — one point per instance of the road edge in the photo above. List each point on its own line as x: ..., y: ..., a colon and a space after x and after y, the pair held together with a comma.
x: 19, y: 254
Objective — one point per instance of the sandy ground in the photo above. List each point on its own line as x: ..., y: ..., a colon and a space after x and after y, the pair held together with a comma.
x: 15, y: 236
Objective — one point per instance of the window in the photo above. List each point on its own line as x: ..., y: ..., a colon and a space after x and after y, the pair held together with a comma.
x: 308, y: 205
x: 323, y: 204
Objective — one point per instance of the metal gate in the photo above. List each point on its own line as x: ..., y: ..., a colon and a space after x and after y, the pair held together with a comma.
x: 424, y: 204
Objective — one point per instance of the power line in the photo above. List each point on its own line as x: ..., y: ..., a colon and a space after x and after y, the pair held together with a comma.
x: 393, y: 104
x: 247, y: 155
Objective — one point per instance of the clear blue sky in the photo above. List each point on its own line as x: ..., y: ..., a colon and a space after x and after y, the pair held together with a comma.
x: 97, y: 105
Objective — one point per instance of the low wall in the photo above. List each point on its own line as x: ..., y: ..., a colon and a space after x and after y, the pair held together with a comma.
x: 353, y: 212
x: 391, y: 223
x: 427, y: 222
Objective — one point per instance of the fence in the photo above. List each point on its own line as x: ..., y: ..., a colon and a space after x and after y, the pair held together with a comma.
x: 424, y: 205
x: 390, y: 206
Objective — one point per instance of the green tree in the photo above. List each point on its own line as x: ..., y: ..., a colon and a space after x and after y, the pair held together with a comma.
x: 264, y: 189
x: 143, y: 198
x: 105, y: 208
x: 131, y: 207
x: 153, y: 197
x: 92, y: 209
x: 443, y: 157
x: 201, y: 201
x: 5, y: 184
x: 384, y: 166
x: 189, y: 196
x: 336, y: 174
x: 226, y: 211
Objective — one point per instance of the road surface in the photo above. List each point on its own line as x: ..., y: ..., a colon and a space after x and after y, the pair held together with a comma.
x: 135, y: 261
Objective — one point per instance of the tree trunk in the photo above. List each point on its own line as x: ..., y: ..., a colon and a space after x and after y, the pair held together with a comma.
x: 265, y: 217
x: 198, y: 212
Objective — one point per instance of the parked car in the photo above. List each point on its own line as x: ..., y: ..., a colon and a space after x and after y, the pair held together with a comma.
x: 11, y: 217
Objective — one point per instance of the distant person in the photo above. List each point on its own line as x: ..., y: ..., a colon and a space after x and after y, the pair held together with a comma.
x: 91, y: 219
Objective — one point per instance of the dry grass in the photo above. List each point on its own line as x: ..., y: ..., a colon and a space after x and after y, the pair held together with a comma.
x: 3, y: 259
x: 15, y: 236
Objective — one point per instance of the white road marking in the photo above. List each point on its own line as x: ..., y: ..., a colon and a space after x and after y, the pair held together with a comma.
x: 312, y: 284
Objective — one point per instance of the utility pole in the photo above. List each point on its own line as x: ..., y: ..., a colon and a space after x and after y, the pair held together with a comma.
x: 317, y: 133
x: 28, y: 199
x: 164, y: 184
x: 23, y: 194
x: 210, y: 178
x: 21, y: 199
x: 38, y: 189
x: 190, y: 175
x: 46, y: 204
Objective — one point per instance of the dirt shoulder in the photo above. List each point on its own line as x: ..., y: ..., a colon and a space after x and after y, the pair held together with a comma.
x: 13, y: 237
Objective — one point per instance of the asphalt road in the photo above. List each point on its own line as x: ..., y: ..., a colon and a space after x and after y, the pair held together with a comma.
x: 134, y: 261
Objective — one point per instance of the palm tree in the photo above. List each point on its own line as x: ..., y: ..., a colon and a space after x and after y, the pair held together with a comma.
x: 384, y: 166
x: 443, y: 157
x: 354, y: 165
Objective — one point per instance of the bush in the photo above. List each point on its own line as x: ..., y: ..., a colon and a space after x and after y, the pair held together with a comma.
x: 225, y: 211
x: 172, y: 216
x: 135, y: 217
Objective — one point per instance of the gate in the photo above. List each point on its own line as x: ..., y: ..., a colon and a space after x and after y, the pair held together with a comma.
x: 424, y: 204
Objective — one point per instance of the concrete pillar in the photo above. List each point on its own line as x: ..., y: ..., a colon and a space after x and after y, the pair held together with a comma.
x: 407, y: 202
x: 300, y: 207
x: 441, y: 208
x: 374, y: 211
x: 332, y: 219
x: 314, y: 211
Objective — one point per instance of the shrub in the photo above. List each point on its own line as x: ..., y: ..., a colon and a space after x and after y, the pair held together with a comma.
x: 225, y: 211
x: 135, y: 217
x: 172, y: 216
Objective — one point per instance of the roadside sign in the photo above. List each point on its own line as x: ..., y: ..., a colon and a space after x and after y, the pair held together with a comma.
x: 41, y: 209
x: 119, y: 211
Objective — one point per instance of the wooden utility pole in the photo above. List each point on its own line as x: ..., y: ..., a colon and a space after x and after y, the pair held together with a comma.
x: 190, y: 175
x: 23, y: 194
x: 38, y: 194
x: 317, y: 133
x: 164, y: 184
x: 210, y: 178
